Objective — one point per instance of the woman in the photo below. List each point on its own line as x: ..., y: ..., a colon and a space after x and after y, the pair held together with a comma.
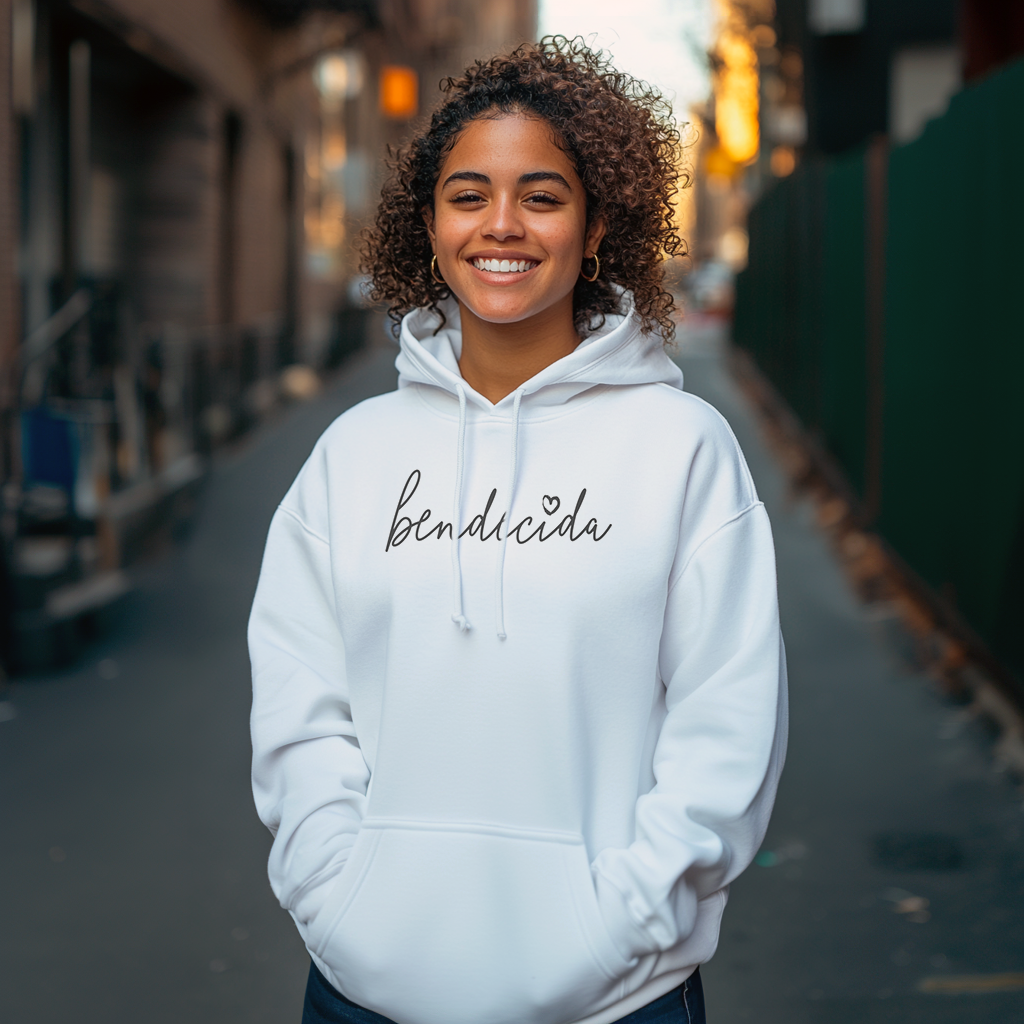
x: 519, y: 705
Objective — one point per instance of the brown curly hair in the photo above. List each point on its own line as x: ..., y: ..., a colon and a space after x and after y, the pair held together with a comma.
x: 622, y: 140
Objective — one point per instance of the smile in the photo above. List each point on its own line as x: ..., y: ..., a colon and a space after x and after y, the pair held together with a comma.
x: 504, y: 266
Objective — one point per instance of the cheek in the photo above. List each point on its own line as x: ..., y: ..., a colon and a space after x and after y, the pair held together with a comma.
x: 444, y: 232
x: 568, y: 248
x: 570, y: 236
x: 449, y: 225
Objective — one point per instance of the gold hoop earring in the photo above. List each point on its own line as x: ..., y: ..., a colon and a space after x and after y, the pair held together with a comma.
x: 433, y: 271
x: 597, y: 268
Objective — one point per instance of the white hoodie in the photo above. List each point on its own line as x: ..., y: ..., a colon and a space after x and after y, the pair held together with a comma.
x: 511, y: 774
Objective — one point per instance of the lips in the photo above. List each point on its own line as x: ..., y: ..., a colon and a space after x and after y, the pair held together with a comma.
x: 495, y: 266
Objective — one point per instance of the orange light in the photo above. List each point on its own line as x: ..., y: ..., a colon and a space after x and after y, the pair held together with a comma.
x: 736, y: 84
x: 736, y: 100
x: 783, y: 161
x: 719, y: 164
x: 399, y: 92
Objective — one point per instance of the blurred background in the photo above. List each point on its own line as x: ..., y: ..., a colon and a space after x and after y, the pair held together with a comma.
x: 182, y: 313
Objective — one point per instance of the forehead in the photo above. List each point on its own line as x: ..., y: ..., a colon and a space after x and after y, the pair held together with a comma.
x: 510, y: 143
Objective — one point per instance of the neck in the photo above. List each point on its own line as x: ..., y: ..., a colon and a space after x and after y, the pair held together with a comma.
x: 497, y: 358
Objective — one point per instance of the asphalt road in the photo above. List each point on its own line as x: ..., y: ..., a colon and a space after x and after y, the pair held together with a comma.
x: 132, y: 863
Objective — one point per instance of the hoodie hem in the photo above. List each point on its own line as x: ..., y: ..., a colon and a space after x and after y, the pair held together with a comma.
x: 653, y: 989
x: 638, y: 999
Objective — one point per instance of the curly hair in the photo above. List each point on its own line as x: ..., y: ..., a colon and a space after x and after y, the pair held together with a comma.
x: 621, y: 138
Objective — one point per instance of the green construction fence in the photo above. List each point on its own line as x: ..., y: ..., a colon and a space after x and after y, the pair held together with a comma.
x: 922, y: 402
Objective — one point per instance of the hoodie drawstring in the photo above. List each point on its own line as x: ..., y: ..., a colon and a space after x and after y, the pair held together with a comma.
x: 458, y: 617
x: 513, y: 464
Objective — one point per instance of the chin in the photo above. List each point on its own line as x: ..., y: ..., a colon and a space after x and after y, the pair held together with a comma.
x: 500, y: 313
x: 507, y: 308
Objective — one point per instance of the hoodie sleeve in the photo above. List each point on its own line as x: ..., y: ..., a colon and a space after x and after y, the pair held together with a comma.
x: 721, y: 747
x: 309, y: 777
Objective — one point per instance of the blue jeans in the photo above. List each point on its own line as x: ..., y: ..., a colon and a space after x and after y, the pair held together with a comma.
x: 326, y: 1005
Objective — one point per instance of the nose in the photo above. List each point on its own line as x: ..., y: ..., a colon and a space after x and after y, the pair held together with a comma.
x: 503, y: 220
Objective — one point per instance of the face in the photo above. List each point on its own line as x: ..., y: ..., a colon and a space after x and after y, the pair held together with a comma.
x: 509, y: 225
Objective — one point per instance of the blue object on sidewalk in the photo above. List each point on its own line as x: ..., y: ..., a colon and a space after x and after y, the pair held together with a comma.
x: 49, y: 449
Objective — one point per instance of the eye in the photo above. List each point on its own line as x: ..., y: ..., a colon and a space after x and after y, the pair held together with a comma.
x: 467, y: 197
x: 543, y: 199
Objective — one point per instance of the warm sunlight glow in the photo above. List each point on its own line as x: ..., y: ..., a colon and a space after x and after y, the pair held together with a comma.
x: 736, y: 91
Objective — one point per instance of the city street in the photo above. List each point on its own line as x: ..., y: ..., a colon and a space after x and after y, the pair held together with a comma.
x: 890, y: 887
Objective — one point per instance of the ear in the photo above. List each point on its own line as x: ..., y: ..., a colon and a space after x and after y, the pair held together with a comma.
x: 428, y: 218
x: 595, y: 235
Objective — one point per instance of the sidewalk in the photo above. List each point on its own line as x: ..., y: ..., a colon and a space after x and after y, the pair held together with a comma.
x: 894, y: 864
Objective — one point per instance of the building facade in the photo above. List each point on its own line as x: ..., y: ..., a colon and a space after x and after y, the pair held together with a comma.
x: 181, y: 188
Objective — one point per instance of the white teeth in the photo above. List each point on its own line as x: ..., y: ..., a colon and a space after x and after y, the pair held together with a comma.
x: 504, y: 266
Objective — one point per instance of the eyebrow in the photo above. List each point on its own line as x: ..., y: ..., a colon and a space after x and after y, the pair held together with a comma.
x: 524, y: 179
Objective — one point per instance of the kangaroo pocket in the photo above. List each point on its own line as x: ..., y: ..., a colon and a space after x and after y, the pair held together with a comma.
x: 468, y: 925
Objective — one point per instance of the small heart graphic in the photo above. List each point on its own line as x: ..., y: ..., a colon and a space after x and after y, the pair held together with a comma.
x: 550, y: 504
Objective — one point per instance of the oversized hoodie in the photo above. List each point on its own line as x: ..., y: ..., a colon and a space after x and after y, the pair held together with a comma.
x: 519, y: 687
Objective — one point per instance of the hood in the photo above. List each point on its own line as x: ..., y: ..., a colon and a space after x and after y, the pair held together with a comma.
x: 616, y: 353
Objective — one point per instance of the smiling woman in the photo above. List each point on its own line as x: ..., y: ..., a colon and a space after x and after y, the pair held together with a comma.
x: 611, y: 135
x: 518, y: 683
x: 509, y: 231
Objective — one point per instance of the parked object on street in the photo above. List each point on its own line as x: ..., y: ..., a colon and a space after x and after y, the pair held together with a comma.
x: 710, y: 287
